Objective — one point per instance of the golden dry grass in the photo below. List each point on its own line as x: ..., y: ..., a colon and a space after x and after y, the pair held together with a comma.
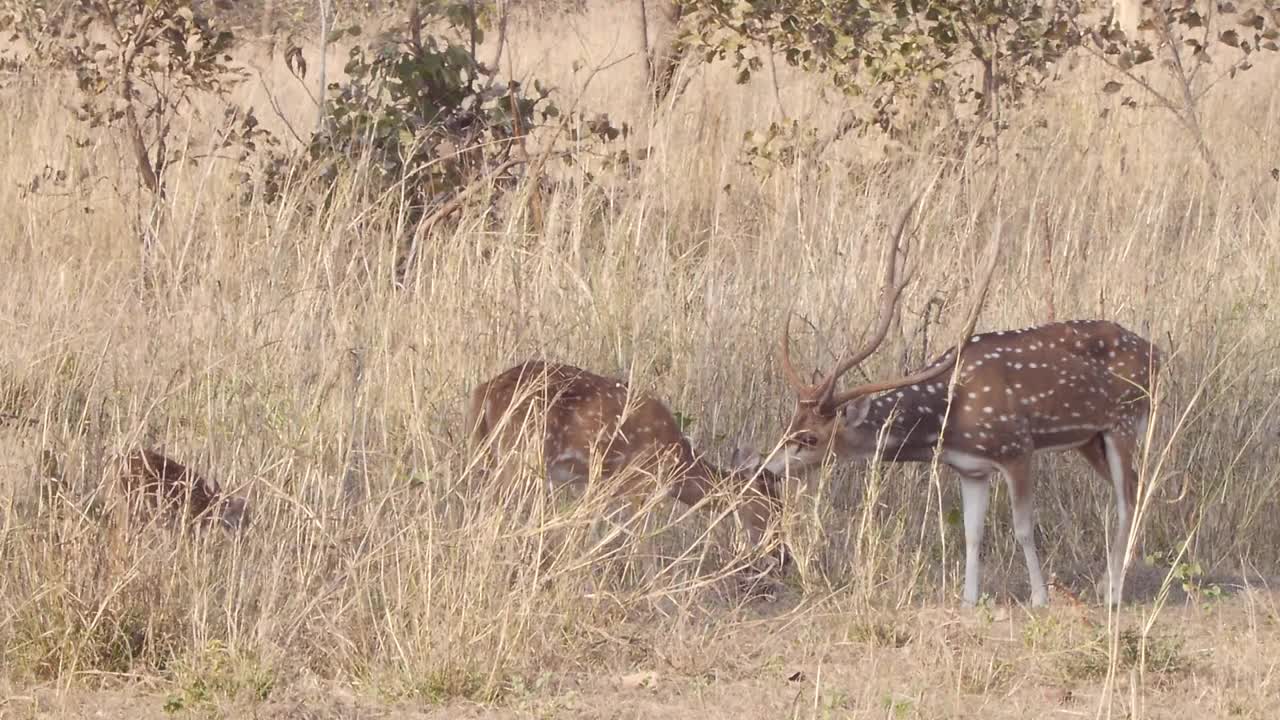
x: 271, y: 349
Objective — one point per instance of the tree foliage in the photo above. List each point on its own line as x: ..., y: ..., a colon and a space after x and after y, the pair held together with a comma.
x: 977, y: 54
x: 428, y: 126
x: 138, y: 65
x: 423, y: 112
x: 889, y: 52
x: 417, y: 114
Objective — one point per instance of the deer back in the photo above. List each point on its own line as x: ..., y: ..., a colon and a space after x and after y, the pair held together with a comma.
x: 577, y: 415
x: 1019, y: 391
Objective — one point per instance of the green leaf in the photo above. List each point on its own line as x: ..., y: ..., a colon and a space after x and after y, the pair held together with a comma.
x: 1230, y: 37
x: 1112, y: 87
x: 954, y: 518
x: 1253, y: 20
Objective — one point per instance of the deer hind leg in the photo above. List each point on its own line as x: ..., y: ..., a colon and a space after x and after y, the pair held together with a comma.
x: 1120, y: 447
x: 1095, y: 452
x: 975, y: 495
x: 1017, y: 474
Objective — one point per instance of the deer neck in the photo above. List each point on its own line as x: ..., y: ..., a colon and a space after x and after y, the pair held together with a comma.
x: 698, y: 479
x: 903, y: 425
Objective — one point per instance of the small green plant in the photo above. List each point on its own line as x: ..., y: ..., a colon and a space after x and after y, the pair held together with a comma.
x: 216, y: 673
x: 880, y: 633
x: 684, y: 422
x: 954, y: 518
x: 173, y: 704
x: 832, y: 703
x: 421, y: 112
x: 777, y: 146
x: 1189, y: 575
x: 897, y: 707
x: 443, y: 686
x: 1083, y: 651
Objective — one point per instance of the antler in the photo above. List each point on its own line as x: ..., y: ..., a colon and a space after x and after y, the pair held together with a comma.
x: 788, y: 369
x: 890, y: 292
x: 944, y: 365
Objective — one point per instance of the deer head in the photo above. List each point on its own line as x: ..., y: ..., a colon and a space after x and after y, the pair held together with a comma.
x: 233, y: 514
x: 166, y: 485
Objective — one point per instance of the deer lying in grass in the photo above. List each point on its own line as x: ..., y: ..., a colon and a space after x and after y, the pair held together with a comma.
x: 157, y: 483
x: 153, y: 483
x: 588, y: 420
x: 1083, y: 385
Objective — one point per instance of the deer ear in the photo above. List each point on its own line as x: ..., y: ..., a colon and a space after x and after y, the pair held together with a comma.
x: 854, y: 412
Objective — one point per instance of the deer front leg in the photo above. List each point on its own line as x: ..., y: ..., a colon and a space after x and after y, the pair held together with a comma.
x: 975, y: 495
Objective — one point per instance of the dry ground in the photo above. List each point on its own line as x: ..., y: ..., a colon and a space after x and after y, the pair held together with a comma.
x: 1217, y: 659
x: 267, y: 346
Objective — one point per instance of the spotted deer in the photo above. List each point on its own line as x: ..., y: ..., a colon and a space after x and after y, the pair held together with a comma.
x: 157, y: 482
x: 588, y: 419
x: 1083, y: 385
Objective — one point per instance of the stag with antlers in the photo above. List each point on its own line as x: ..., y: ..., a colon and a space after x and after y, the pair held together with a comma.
x: 584, y: 420
x: 1083, y: 385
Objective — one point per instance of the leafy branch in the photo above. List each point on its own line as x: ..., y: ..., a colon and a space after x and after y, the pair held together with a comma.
x: 1188, y: 35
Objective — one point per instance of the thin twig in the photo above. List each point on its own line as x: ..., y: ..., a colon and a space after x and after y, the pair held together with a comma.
x: 492, y: 67
x: 1048, y: 270
x: 275, y: 106
x: 1185, y: 115
x: 324, y: 56
x: 773, y: 74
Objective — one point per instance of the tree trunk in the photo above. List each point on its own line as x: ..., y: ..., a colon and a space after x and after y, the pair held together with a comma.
x: 659, y: 26
x: 1128, y: 13
x: 268, y: 27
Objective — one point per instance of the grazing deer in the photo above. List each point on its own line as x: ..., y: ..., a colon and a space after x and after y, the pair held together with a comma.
x: 591, y: 419
x: 157, y: 481
x: 1083, y: 385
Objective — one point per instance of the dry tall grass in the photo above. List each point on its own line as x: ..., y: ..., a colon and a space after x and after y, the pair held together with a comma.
x: 271, y: 349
